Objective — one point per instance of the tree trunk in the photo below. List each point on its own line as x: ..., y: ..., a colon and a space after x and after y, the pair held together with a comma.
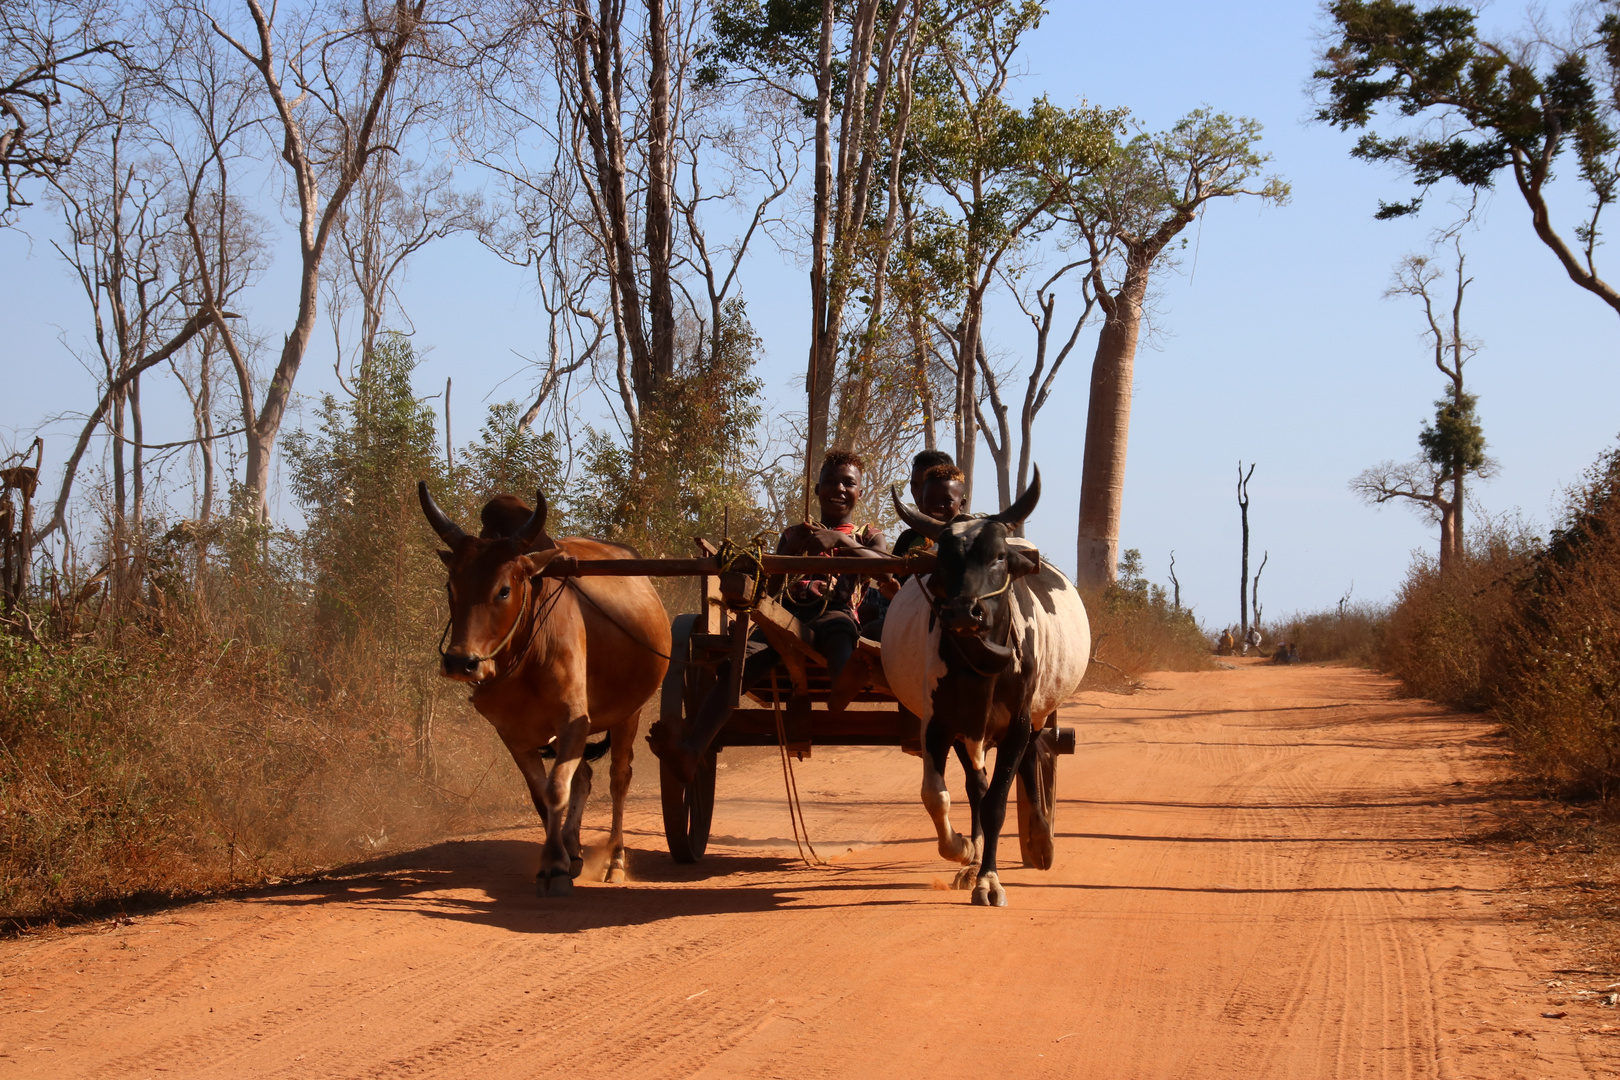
x: 660, y: 295
x: 1447, y: 532
x: 1108, y: 422
x: 1243, y: 581
x: 818, y: 376
x: 1458, y: 549
x: 967, y: 393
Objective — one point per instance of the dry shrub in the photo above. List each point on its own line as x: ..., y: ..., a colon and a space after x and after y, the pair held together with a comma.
x: 1134, y: 630
x: 1556, y: 682
x: 1352, y: 633
x: 164, y: 764
x: 1444, y: 636
x: 1530, y: 632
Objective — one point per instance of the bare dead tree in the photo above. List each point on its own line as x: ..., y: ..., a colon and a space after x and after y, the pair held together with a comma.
x: 1040, y: 308
x: 122, y: 211
x: 59, y: 62
x: 396, y: 209
x: 758, y: 156
x: 546, y: 226
x: 18, y: 483
x: 212, y: 113
x: 343, y: 85
x: 1255, y: 595
x: 1243, y: 512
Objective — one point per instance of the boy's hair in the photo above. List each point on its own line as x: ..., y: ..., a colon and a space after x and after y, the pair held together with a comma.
x: 944, y: 471
x: 836, y: 458
x: 929, y: 459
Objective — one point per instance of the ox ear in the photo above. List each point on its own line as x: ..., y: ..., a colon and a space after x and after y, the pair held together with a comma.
x: 1019, y: 512
x: 535, y: 527
x: 534, y: 562
x: 1022, y: 562
x: 446, y: 557
x: 915, y: 518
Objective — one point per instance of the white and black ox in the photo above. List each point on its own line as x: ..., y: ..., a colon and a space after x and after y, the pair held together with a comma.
x: 984, y: 650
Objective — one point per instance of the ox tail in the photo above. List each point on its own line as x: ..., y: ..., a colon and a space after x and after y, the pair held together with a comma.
x: 594, y: 751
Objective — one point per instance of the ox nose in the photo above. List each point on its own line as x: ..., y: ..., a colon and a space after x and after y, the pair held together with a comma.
x: 964, y: 613
x: 460, y: 664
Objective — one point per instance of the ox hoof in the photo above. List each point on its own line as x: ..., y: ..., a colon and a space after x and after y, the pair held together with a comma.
x: 576, y: 866
x: 966, y: 878
x: 615, y: 876
x: 957, y: 849
x: 988, y: 892
x: 558, y: 884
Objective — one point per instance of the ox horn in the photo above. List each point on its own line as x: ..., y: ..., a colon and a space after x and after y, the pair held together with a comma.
x: 448, y: 531
x: 915, y: 518
x: 1019, y: 512
x: 535, y: 527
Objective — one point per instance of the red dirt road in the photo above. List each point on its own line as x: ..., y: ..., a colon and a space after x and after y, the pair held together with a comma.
x: 1257, y: 876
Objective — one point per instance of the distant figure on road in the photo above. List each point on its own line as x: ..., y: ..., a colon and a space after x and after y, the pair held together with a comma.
x: 1285, y: 654
x: 1227, y: 644
x: 1252, y: 640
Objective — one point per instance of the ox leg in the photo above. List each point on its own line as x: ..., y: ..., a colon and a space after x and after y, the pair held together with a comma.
x: 977, y: 783
x: 556, y: 861
x: 533, y: 768
x: 952, y: 844
x: 624, y: 749
x: 578, y: 793
x: 988, y: 892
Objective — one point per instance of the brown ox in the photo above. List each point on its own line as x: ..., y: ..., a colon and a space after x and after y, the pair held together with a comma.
x: 551, y: 660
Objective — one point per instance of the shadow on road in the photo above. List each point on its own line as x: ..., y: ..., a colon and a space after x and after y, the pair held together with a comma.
x: 489, y: 881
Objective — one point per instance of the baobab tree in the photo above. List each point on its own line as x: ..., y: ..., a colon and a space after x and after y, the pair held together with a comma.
x: 1127, y: 215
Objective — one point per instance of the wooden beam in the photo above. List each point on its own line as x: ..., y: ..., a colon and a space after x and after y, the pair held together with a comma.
x: 568, y: 566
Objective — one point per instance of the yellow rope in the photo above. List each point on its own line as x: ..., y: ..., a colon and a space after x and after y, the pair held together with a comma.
x: 790, y: 786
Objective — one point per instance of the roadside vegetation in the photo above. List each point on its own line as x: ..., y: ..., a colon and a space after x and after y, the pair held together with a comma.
x: 1136, y: 628
x: 254, y: 702
x: 1529, y: 630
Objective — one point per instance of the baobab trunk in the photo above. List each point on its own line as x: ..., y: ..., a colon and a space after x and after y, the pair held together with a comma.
x: 1108, y: 424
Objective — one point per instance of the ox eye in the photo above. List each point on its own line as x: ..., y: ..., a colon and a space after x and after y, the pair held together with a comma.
x: 506, y: 590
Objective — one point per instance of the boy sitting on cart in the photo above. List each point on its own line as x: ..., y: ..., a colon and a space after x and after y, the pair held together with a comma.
x: 937, y: 489
x: 824, y: 604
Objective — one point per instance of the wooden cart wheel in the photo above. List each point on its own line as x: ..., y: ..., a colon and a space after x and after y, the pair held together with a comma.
x: 688, y: 808
x: 1038, y: 851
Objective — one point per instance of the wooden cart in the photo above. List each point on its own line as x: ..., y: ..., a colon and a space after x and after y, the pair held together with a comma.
x: 796, y: 706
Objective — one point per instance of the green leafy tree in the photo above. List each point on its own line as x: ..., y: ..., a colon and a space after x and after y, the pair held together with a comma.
x: 370, y: 559
x: 1482, y: 107
x: 700, y: 437
x: 993, y: 171
x: 510, y: 457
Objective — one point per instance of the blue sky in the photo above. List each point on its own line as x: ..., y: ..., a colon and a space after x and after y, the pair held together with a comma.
x: 1274, y: 343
